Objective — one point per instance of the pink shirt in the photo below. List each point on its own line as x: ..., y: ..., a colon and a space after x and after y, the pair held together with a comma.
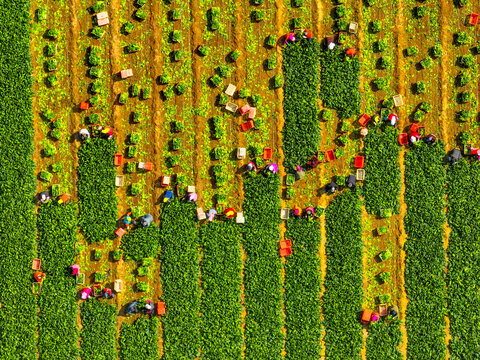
x: 75, y: 269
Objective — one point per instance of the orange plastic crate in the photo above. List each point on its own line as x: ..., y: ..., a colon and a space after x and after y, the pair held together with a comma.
x: 161, y: 308
x: 118, y: 159
x: 286, y: 244
x: 285, y: 252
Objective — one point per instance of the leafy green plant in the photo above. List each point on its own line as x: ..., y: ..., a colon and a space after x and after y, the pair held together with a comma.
x: 424, y: 272
x: 464, y: 115
x: 339, y: 11
x: 343, y: 295
x: 51, y: 80
x: 203, y: 50
x: 436, y: 51
x: 385, y: 276
x: 98, y: 334
x: 303, y: 286
x: 56, y: 245
x: 235, y: 55
x: 384, y: 338
x: 216, y: 80
x: 123, y: 98
x: 97, y: 32
x: 466, y: 61
x: 465, y: 97
x: 379, y: 83
x: 96, y: 189
x: 420, y: 87
x: 261, y: 231
x: 270, y: 41
x: 135, y: 189
x: 462, y: 38
x: 213, y: 18
x: 380, y: 45
x: 128, y: 27
x: 95, y: 72
x: 221, y: 268
x: 141, y: 243
x: 420, y: 11
x: 412, y: 50
x: 179, y: 257
x: 175, y: 36
x: 181, y: 88
x: 301, y: 125
x: 134, y: 90
x: 375, y: 26
x: 381, y: 188
x: 140, y: 339
x: 131, y: 167
x: 146, y: 93
x: 140, y: 15
x: 53, y: 34
x: 339, y: 85
x: 117, y: 254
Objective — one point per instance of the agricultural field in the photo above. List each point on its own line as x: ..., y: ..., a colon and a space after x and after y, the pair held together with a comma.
x: 256, y: 179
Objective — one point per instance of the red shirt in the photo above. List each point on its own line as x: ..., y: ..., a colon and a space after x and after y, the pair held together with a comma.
x: 308, y: 34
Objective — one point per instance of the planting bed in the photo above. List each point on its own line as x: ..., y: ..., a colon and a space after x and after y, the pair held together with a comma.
x: 369, y: 222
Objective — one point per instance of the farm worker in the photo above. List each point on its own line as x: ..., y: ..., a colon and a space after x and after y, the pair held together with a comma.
x: 149, y: 306
x: 127, y: 220
x: 84, y: 134
x: 168, y: 196
x: 86, y: 293
x: 229, y: 212
x: 106, y: 131
x: 39, y: 276
x: 74, y: 269
x: 251, y: 166
x: 376, y: 120
x: 363, y: 131
x: 297, y: 211
x: 331, y: 187
x: 414, y: 137
x: 192, y: 197
x: 375, y: 317
x: 331, y: 46
x: 393, y: 119
x: 132, y: 308
x: 44, y: 197
x: 211, y: 214
x: 430, y: 139
x: 107, y: 293
x: 306, y: 34
x: 310, y: 211
x: 393, y: 313
x: 290, y: 38
x: 273, y: 168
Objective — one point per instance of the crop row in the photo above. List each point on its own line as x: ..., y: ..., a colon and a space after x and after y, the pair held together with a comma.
x: 343, y: 281
x: 180, y: 281
x: 57, y: 320
x: 302, y: 291
x: 221, y: 308
x: 425, y: 256
x: 139, y: 340
x: 382, y: 172
x: 463, y: 275
x: 17, y: 185
x: 98, y: 334
x: 383, y: 340
x: 141, y: 243
x: 96, y: 189
x: 301, y: 132
x: 339, y: 82
x: 262, y: 269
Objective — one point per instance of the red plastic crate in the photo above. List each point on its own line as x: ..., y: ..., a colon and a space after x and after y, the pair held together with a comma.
x: 473, y: 19
x: 364, y: 119
x: 359, y: 162
x: 403, y: 139
x: 161, y: 308
x: 414, y: 128
x: 118, y: 159
x: 248, y: 125
x: 148, y: 166
x: 285, y: 252
x: 286, y: 244
x: 267, y: 153
x: 329, y: 155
